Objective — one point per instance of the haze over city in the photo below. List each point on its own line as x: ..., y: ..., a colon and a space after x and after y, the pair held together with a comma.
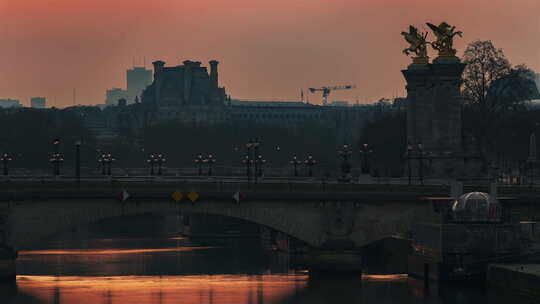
x: 267, y: 49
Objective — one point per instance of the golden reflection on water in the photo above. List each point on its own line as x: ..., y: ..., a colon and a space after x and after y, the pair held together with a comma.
x: 107, y: 251
x: 217, y: 289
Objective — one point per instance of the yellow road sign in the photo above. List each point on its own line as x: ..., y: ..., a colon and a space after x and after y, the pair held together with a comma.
x: 177, y: 196
x: 193, y: 196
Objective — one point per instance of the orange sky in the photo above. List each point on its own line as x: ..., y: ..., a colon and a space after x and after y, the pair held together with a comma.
x: 267, y: 49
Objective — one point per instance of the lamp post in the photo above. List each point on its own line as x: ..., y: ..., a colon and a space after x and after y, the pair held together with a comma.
x: 365, y: 151
x: 199, y: 160
x: 5, y: 158
x: 248, y: 159
x: 260, y: 161
x: 160, y: 160
x: 345, y: 153
x: 151, y: 161
x: 106, y: 160
x: 310, y: 162
x: 295, y: 162
x: 56, y: 158
x: 416, y: 151
x: 210, y: 160
x: 256, y: 143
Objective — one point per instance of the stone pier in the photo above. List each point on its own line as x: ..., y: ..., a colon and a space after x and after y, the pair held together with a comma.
x: 434, y: 118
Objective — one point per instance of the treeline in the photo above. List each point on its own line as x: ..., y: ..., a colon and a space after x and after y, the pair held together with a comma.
x: 27, y: 135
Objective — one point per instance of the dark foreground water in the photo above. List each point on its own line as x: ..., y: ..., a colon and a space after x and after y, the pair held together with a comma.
x: 176, y: 270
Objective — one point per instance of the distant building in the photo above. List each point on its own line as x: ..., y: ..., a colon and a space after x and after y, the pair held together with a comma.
x: 339, y: 103
x: 113, y: 95
x: 38, y: 102
x: 537, y: 80
x: 138, y: 79
x: 187, y: 92
x: 10, y: 103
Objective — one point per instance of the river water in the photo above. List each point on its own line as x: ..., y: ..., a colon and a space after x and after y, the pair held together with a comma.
x: 172, y: 269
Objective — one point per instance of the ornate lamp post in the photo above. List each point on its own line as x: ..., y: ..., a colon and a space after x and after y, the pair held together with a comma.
x: 160, y: 160
x: 310, y: 162
x: 260, y: 161
x: 210, y: 160
x: 56, y: 158
x: 295, y: 162
x: 199, y: 160
x: 416, y: 151
x: 365, y: 151
x: 247, y: 159
x: 151, y: 161
x: 5, y: 158
x: 256, y: 143
x: 106, y: 160
x: 345, y: 153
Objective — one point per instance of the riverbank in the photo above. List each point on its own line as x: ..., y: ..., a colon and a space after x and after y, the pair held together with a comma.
x: 518, y: 278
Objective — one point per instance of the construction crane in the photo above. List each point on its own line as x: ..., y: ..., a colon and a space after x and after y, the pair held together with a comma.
x: 326, y: 91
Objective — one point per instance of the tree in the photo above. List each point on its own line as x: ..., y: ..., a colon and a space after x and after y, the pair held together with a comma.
x: 494, y: 93
x: 491, y: 85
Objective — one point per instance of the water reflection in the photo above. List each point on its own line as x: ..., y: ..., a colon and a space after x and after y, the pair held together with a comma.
x: 164, y: 289
x: 176, y: 270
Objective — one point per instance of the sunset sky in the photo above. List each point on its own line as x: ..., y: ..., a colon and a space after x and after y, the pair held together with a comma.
x: 267, y: 49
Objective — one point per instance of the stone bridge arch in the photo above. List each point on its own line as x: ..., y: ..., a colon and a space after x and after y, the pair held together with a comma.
x: 320, y: 224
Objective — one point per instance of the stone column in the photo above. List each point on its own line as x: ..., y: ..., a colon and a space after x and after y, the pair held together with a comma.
x: 434, y: 115
x: 418, y: 103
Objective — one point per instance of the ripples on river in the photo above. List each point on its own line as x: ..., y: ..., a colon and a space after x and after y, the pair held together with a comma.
x: 176, y: 270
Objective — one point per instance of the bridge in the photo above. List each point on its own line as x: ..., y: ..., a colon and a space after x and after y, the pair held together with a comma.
x: 329, y: 217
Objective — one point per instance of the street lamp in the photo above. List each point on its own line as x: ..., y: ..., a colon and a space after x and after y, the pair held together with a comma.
x: 247, y: 159
x: 5, y: 158
x: 56, y: 159
x: 260, y: 161
x: 365, y: 151
x: 199, y: 160
x: 295, y: 162
x: 256, y: 156
x: 151, y: 161
x: 310, y: 162
x: 345, y: 153
x: 210, y: 160
x: 106, y: 160
x: 160, y: 160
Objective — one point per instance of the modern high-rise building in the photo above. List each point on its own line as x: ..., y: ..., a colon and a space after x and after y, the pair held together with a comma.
x: 38, y: 102
x: 10, y: 103
x: 138, y: 78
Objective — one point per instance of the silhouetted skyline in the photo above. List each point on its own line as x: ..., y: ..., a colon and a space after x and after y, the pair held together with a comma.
x: 267, y: 50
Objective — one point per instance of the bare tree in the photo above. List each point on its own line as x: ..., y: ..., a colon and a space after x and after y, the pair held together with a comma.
x: 490, y: 84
